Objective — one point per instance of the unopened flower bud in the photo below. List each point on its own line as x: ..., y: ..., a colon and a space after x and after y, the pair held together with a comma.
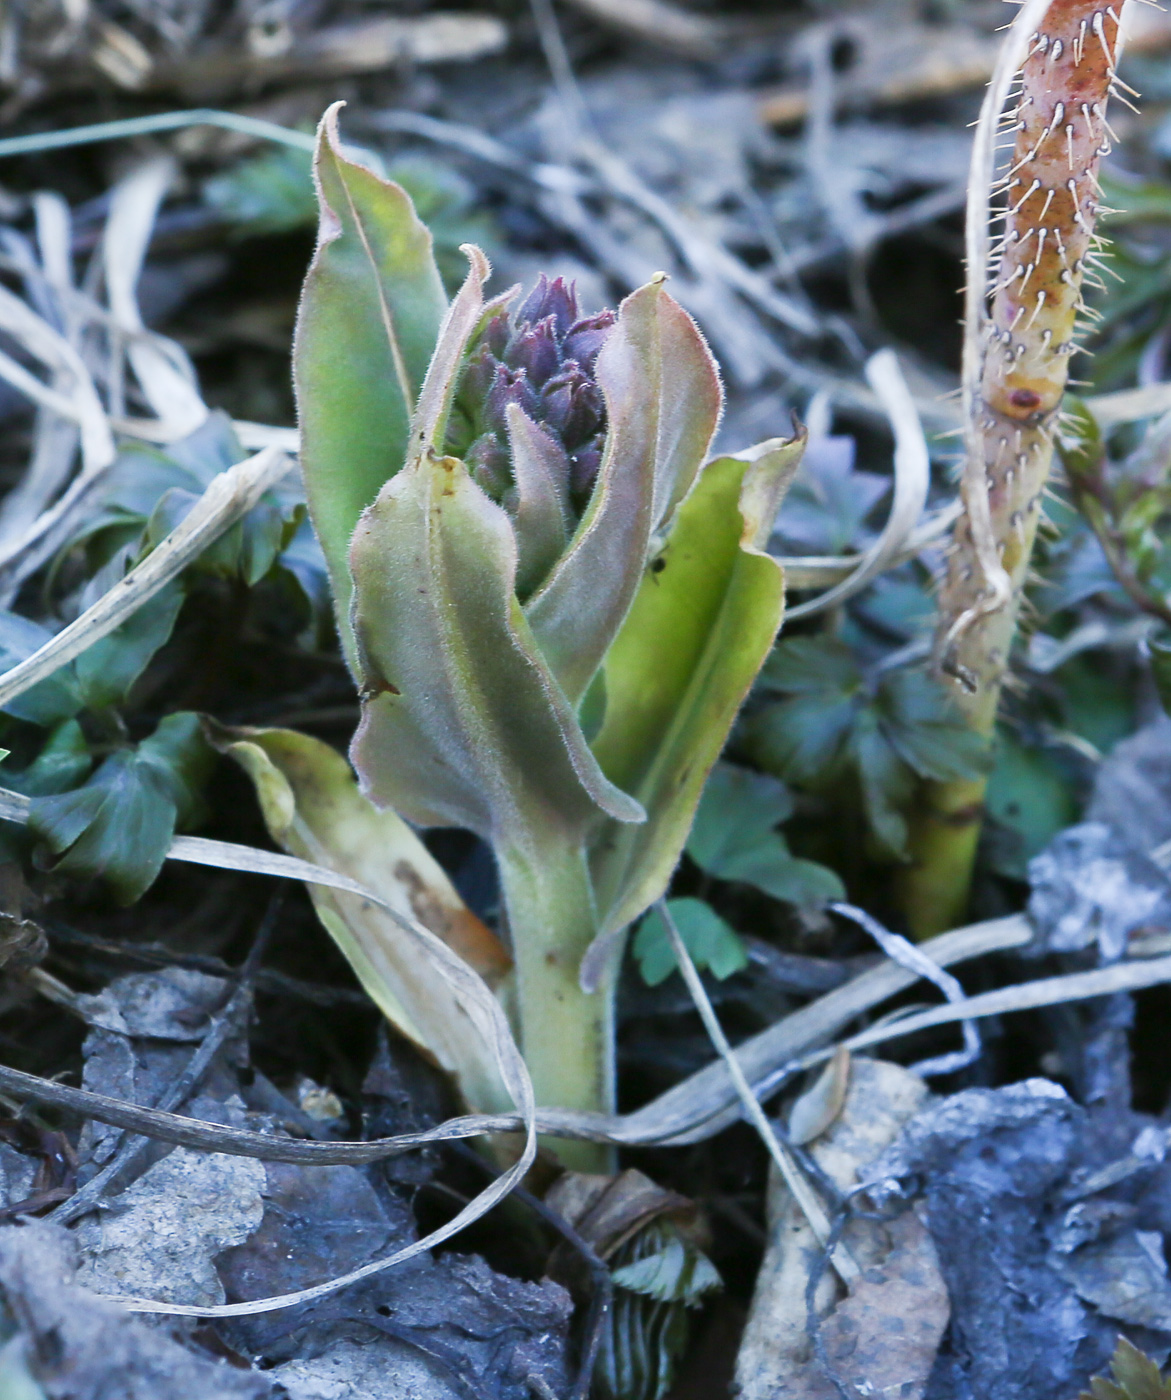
x: 533, y: 349
x: 572, y: 406
x: 583, y: 471
x: 584, y: 339
x: 550, y: 299
x: 487, y: 461
x: 508, y: 386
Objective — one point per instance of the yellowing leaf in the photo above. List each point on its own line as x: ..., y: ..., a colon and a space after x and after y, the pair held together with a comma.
x: 313, y: 810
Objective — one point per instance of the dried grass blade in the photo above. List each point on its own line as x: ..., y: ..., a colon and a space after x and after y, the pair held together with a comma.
x: 231, y: 494
x: 80, y: 403
x: 912, y: 470
x: 803, y: 1193
x: 159, y: 367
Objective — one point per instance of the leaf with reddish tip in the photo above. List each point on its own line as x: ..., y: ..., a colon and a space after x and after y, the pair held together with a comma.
x: 707, y: 613
x: 462, y: 722
x: 369, y: 316
x: 540, y: 469
x: 313, y: 810
x: 663, y: 400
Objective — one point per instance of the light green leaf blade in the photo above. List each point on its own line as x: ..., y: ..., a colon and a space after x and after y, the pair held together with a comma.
x: 368, y: 321
x: 663, y: 402
x: 313, y: 810
x: 705, y: 616
x: 462, y: 723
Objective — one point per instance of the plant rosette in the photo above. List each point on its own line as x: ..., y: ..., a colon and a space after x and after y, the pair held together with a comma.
x: 552, y: 600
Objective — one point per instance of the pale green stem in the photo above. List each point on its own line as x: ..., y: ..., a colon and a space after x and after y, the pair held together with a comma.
x: 567, y: 1035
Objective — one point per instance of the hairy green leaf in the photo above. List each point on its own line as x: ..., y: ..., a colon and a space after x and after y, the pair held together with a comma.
x: 663, y: 400
x: 369, y: 317
x: 703, y: 620
x: 462, y: 724
x: 313, y: 809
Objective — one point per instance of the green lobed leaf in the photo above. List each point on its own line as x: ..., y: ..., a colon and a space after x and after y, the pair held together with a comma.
x: 369, y: 317
x: 663, y: 402
x: 462, y: 724
x: 1031, y: 798
x: 714, y: 944
x: 107, y: 670
x: 678, y: 1273
x: 1136, y: 1377
x: 62, y: 763
x: 732, y: 838
x: 119, y: 825
x: 843, y: 730
x: 49, y: 702
x: 648, y: 1333
x: 704, y: 618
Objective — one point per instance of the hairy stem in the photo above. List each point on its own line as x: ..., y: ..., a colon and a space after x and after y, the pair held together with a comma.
x: 567, y: 1035
x: 1017, y: 368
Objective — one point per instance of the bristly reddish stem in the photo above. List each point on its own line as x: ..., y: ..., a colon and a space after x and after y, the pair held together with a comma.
x: 1052, y: 197
x: 1015, y: 373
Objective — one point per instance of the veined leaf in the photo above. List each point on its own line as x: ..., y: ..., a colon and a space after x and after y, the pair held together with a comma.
x: 313, y: 810
x: 462, y: 724
x: 369, y: 317
x: 63, y: 763
x: 839, y: 728
x: 706, y: 613
x: 102, y: 675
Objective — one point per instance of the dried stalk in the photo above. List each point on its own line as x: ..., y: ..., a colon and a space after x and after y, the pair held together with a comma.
x: 1016, y: 364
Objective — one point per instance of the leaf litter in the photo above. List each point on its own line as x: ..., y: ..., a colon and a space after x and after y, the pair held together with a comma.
x: 1101, y: 1248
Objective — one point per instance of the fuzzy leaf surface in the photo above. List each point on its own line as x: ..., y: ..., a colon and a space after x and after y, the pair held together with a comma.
x: 369, y: 316
x: 663, y: 402
x: 706, y: 613
x: 462, y: 722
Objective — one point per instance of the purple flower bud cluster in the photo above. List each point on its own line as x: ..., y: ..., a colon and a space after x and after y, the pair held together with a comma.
x: 541, y: 358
